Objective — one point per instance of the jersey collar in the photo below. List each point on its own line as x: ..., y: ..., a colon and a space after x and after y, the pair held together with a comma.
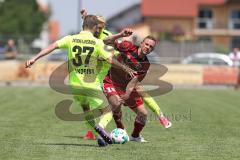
x: 86, y: 32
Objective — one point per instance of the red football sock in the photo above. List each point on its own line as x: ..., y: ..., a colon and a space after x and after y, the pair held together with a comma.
x: 137, y: 129
x: 118, y: 119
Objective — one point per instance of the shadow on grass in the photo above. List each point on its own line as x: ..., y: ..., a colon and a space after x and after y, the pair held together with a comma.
x: 68, y: 144
x: 75, y: 137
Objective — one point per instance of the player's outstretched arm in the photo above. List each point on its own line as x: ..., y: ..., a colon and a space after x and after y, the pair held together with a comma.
x: 111, y: 39
x: 42, y: 53
x: 111, y: 60
x: 131, y: 85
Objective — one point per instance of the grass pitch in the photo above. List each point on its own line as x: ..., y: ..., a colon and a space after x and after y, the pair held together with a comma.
x: 206, y: 125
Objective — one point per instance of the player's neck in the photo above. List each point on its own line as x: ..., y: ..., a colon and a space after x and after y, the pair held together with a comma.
x: 88, y: 30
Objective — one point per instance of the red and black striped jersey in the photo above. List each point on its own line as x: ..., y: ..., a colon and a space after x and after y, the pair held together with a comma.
x: 128, y: 56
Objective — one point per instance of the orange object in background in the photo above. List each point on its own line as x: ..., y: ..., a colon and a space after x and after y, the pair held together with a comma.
x: 220, y: 75
x: 53, y: 30
x: 13, y: 70
x: 182, y: 74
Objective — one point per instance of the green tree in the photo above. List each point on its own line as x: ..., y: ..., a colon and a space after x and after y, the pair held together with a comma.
x: 21, y: 18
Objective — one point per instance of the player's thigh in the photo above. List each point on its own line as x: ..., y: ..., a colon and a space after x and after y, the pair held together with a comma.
x: 114, y: 100
x: 135, y: 101
x: 89, y: 103
x: 112, y: 93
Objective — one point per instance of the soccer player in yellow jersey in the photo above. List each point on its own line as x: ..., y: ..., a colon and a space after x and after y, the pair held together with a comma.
x: 148, y: 100
x: 84, y: 53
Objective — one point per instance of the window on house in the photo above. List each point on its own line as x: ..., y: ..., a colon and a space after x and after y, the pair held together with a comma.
x: 205, y: 19
x: 205, y: 38
x: 234, y: 22
x: 235, y: 42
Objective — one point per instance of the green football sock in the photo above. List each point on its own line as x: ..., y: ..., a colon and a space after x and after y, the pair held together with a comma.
x: 151, y: 104
x: 90, y: 122
x: 105, y: 119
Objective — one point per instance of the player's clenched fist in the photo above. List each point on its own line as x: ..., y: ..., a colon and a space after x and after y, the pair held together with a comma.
x: 29, y: 63
x: 126, y: 32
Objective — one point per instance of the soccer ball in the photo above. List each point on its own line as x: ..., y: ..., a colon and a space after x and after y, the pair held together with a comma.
x: 119, y: 136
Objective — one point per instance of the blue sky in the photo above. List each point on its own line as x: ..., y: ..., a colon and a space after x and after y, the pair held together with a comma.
x: 66, y: 13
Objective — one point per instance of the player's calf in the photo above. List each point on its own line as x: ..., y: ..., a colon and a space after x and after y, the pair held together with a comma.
x: 139, y: 124
x: 117, y: 116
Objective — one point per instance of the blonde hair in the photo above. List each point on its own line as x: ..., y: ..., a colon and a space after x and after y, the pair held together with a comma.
x: 101, y: 19
x: 89, y: 22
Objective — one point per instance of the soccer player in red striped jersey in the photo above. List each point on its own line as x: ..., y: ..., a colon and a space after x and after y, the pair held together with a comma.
x: 120, y: 88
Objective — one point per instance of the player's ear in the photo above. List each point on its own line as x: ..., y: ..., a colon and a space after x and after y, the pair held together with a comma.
x: 95, y: 27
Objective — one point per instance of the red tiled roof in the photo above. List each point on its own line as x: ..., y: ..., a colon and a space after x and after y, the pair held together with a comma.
x: 175, y: 8
x: 211, y: 2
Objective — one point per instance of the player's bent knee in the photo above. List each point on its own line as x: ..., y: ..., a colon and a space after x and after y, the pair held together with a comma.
x: 114, y: 101
x: 116, y: 108
x: 143, y: 112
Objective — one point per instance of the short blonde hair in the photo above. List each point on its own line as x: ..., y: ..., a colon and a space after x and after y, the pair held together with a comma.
x: 101, y: 19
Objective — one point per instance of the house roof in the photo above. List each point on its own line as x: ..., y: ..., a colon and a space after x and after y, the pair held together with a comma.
x: 173, y: 8
x: 137, y: 5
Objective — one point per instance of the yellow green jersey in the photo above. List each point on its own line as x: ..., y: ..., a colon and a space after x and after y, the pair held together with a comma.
x: 105, y: 66
x: 104, y: 34
x: 84, y: 52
